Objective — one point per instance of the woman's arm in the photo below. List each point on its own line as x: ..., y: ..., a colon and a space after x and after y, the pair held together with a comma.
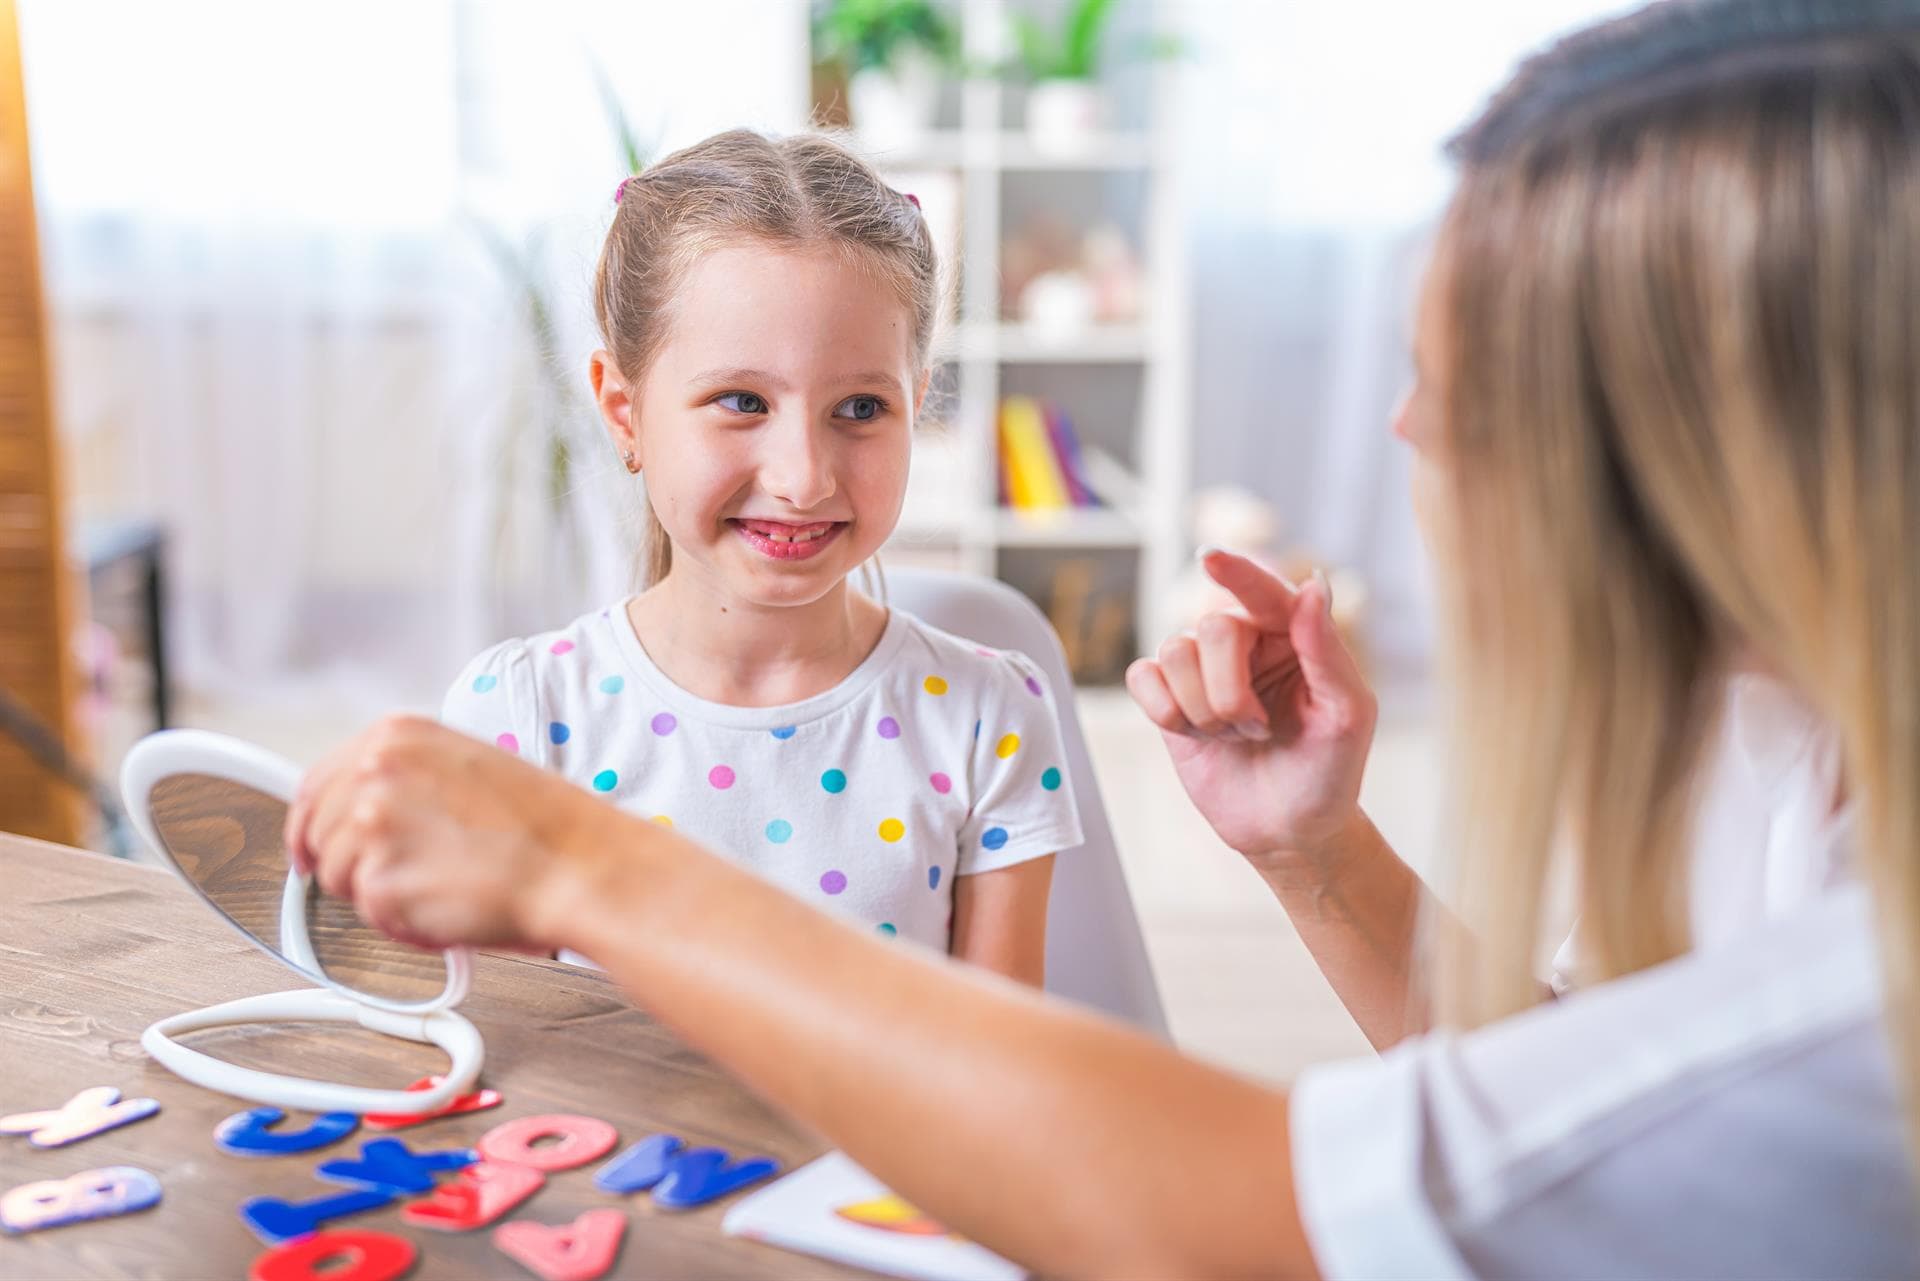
x: 1077, y: 1146
x: 1000, y: 920
x: 1358, y: 908
x: 1269, y: 722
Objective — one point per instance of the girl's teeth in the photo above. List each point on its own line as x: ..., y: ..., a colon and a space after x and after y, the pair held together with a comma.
x: 806, y: 537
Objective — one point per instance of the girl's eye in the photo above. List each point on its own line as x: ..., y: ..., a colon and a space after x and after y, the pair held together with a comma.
x: 862, y: 409
x: 742, y: 402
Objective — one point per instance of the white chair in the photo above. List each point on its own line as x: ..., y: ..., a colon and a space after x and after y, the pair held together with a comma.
x: 1095, y: 953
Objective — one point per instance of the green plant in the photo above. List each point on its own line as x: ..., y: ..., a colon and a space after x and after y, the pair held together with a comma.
x: 866, y: 35
x: 554, y: 407
x: 1073, y: 53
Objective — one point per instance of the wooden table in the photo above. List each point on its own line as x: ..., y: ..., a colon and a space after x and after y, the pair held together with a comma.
x: 93, y: 949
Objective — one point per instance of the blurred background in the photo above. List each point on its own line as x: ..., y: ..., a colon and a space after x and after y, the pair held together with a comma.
x: 293, y: 412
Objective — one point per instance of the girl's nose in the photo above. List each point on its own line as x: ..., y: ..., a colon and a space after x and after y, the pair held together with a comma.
x: 797, y: 468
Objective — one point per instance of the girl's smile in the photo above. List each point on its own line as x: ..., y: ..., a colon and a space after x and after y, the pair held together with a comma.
x: 784, y: 540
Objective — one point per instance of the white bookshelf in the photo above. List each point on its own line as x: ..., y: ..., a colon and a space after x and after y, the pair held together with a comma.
x: 952, y: 516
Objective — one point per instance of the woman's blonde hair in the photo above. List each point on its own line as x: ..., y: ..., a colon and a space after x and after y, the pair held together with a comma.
x: 740, y: 188
x: 1679, y: 290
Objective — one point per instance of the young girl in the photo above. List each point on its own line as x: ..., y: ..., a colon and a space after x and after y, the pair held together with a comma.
x: 768, y: 308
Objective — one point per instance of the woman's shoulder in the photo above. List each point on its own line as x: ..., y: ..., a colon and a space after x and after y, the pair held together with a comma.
x: 956, y: 662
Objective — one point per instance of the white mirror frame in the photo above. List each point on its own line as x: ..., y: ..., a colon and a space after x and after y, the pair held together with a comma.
x: 171, y: 752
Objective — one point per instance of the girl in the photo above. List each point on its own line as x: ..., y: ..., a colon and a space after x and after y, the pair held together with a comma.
x: 767, y: 308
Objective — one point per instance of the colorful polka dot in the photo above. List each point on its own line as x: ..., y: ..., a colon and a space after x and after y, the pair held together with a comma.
x: 834, y: 781
x: 933, y: 877
x: 833, y: 882
x: 1051, y: 780
x: 994, y: 838
x: 663, y: 820
x: 886, y: 928
x: 605, y: 780
x: 561, y: 647
x: 1033, y: 687
x: 1007, y: 746
x: 508, y: 741
x: 721, y: 776
x: 976, y: 729
x: 613, y: 684
x: 941, y: 783
x: 889, y: 727
x: 935, y: 685
x: 892, y: 829
x: 786, y: 732
x: 481, y: 684
x: 559, y: 732
x: 664, y: 724
x: 986, y: 653
x: 779, y: 831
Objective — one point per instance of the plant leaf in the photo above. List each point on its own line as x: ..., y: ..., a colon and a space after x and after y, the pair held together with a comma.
x: 1080, y: 58
x: 1036, y: 52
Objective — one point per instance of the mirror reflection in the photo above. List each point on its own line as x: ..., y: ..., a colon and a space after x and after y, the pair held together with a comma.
x: 225, y: 837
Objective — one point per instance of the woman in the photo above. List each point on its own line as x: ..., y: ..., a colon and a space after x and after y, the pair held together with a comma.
x: 1665, y: 421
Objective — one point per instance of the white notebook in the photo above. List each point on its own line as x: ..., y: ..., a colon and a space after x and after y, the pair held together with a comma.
x: 836, y: 1210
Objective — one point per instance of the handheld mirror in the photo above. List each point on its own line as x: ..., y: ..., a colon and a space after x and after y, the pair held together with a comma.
x: 214, y: 808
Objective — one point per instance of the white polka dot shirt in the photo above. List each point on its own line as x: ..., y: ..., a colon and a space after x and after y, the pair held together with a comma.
x: 934, y: 759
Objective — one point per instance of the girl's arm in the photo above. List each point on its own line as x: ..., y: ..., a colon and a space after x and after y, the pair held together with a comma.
x: 1000, y: 920
x: 1072, y: 1144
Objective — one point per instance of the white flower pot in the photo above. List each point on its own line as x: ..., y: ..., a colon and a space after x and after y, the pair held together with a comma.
x: 894, y: 108
x: 1064, y: 115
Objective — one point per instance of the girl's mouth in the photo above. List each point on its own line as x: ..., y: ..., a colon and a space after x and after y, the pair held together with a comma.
x: 780, y: 540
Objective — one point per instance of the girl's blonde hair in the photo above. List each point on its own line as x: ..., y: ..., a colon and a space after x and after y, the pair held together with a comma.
x: 1680, y: 291
x: 742, y: 188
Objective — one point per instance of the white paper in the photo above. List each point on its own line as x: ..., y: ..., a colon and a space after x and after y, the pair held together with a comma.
x: 807, y: 1212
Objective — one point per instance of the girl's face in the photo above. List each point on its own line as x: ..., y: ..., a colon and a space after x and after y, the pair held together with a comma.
x: 775, y: 425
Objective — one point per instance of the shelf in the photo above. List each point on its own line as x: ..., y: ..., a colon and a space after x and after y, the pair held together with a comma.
x: 1071, y: 527
x: 1016, y: 344
x: 1009, y: 150
x: 977, y: 174
x: 1098, y: 151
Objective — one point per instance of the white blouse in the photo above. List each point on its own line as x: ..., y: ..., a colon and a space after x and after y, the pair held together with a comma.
x: 1733, y: 1113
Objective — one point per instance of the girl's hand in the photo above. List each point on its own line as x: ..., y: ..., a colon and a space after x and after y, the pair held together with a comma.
x: 439, y: 839
x: 1265, y: 715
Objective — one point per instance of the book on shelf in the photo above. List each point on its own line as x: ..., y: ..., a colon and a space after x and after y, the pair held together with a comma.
x: 1041, y: 468
x: 1066, y: 451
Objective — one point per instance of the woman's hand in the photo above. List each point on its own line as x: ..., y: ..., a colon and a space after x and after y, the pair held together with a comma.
x: 439, y: 839
x: 1265, y: 715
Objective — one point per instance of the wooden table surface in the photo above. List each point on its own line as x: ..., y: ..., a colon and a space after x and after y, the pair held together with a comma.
x: 93, y: 949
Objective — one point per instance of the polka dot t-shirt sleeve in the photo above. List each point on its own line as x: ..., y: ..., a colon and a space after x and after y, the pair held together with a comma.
x: 497, y: 700
x: 1023, y: 804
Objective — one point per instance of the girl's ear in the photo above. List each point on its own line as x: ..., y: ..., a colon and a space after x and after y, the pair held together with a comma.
x: 614, y: 396
x: 920, y: 392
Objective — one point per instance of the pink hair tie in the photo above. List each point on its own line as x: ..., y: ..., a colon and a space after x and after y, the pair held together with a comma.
x: 621, y: 190
x: 910, y: 196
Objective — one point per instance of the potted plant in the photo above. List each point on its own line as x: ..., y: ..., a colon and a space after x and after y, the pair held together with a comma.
x: 893, y: 53
x: 1064, y: 104
x: 549, y: 421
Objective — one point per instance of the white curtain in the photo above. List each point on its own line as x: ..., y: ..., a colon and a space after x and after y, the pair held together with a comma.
x: 278, y: 327
x: 1314, y: 135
